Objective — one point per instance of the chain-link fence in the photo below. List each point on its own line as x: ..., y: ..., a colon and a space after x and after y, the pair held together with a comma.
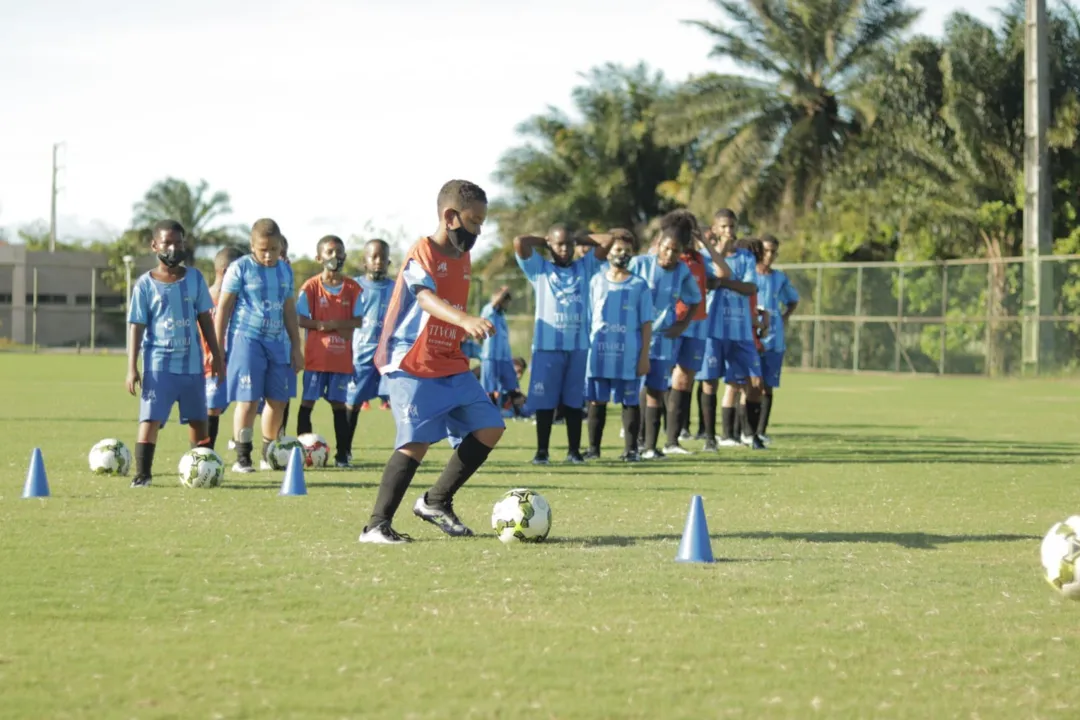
x: 954, y: 317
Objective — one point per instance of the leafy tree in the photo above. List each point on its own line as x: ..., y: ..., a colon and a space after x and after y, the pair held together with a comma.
x: 194, y: 207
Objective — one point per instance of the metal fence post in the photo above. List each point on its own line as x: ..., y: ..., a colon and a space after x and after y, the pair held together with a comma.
x: 899, y: 318
x: 33, y: 326
x: 989, y: 315
x: 93, y: 307
x: 858, y: 318
x: 815, y: 353
x: 944, y: 312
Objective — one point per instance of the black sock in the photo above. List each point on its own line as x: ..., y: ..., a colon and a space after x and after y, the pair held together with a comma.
x: 708, y: 412
x: 701, y: 419
x: 597, y: 420
x: 668, y: 394
x: 465, y: 461
x: 243, y: 453
x: 742, y: 428
x: 285, y: 421
x: 303, y: 420
x: 631, y: 422
x: 766, y: 409
x: 684, y: 407
x: 144, y: 460
x: 652, y: 426
x: 213, y: 423
x: 354, y: 417
x: 680, y: 400
x: 727, y: 421
x: 396, y: 479
x: 573, y: 428
x: 341, y: 434
x: 753, y: 417
x: 544, y: 419
x: 643, y: 401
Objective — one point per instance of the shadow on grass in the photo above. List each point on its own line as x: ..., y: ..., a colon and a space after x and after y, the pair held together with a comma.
x: 311, y: 485
x: 910, y: 540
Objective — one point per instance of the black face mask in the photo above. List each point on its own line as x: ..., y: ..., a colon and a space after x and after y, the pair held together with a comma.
x: 378, y: 275
x: 461, y: 238
x: 333, y: 264
x: 171, y: 258
x: 620, y: 261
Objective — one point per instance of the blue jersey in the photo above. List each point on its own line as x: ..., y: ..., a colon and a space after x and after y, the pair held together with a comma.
x: 729, y: 311
x: 471, y: 348
x: 618, y: 310
x: 668, y: 287
x: 260, y: 293
x: 496, y: 347
x: 374, y: 299
x: 172, y: 341
x: 775, y: 294
x: 562, y: 301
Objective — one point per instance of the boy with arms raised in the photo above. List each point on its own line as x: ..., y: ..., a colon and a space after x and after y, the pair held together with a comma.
x: 779, y: 298
x: 561, y: 333
x: 497, y: 375
x: 170, y: 305
x: 264, y: 340
x: 376, y: 286
x: 620, y: 333
x: 329, y: 309
x: 433, y: 395
x: 217, y: 396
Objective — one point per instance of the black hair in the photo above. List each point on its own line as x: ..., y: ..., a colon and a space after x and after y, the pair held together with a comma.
x: 681, y: 226
x: 458, y: 194
x: 326, y: 240
x: 377, y: 241
x: 226, y: 256
x: 624, y: 235
x: 754, y: 245
x: 266, y: 228
x: 770, y: 240
x: 726, y: 213
x: 166, y: 226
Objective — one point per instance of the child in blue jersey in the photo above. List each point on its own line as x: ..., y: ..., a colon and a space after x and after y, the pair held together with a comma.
x: 497, y: 374
x: 257, y: 314
x: 730, y: 351
x: 779, y: 298
x: 170, y: 305
x: 671, y: 283
x: 217, y: 396
x: 561, y: 333
x: 376, y: 287
x: 620, y: 334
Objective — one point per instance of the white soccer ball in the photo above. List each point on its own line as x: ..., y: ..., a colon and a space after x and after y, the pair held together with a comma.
x: 279, y: 451
x: 1060, y: 550
x: 201, y: 468
x: 316, y: 451
x: 521, y: 515
x: 110, y: 457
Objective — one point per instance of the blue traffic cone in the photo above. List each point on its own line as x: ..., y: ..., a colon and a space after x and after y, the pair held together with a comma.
x: 695, y: 545
x: 37, y: 485
x: 294, y: 475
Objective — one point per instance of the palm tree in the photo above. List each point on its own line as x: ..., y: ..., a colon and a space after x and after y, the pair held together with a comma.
x: 765, y: 142
x: 195, y: 208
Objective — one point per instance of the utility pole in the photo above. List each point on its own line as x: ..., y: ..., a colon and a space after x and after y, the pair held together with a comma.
x: 1037, y: 336
x: 52, y: 204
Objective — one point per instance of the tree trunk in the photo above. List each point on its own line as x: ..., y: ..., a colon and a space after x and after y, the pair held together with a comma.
x: 996, y: 288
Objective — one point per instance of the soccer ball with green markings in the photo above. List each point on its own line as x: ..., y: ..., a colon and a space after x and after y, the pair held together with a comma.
x: 1060, y: 551
x: 521, y: 515
x: 280, y: 450
x: 201, y: 468
x: 110, y: 457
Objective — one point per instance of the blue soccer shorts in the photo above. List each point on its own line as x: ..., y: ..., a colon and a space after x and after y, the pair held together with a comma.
x: 557, y: 378
x: 259, y: 369
x: 620, y: 392
x: 217, y: 394
x: 366, y: 384
x: 498, y: 376
x: 712, y: 364
x: 772, y: 363
x: 741, y: 361
x: 333, y: 387
x: 427, y: 410
x: 162, y: 389
x: 659, y: 377
x: 689, y: 352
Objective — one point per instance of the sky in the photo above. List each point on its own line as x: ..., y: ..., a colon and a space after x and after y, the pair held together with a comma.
x: 326, y: 115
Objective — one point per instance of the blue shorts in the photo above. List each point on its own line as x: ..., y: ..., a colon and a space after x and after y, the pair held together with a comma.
x: 689, y: 352
x: 659, y: 377
x: 620, y: 392
x: 741, y: 361
x: 366, y: 384
x: 772, y: 362
x: 712, y: 364
x: 334, y: 387
x: 557, y: 378
x: 498, y: 376
x: 217, y: 394
x: 426, y: 410
x: 162, y: 389
x: 259, y: 370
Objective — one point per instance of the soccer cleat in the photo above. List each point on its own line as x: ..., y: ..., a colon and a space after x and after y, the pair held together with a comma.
x: 747, y: 440
x: 441, y: 517
x: 366, y: 405
x: 653, y: 455
x: 676, y: 450
x: 242, y: 469
x: 765, y: 440
x: 710, y: 446
x: 574, y: 458
x: 729, y: 443
x: 756, y: 444
x: 265, y: 466
x: 592, y: 454
x: 140, y: 481
x: 630, y: 457
x: 343, y: 464
x: 383, y: 534
x: 541, y: 458
x: 685, y: 435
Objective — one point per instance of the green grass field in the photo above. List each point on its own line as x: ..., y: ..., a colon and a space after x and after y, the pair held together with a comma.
x: 881, y: 561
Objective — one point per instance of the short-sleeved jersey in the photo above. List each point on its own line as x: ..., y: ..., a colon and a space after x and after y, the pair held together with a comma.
x: 670, y: 289
x: 172, y: 341
x: 471, y: 348
x: 729, y: 311
x: 775, y: 294
x: 206, y: 346
x: 374, y: 299
x: 562, y: 300
x: 328, y: 351
x: 698, y: 265
x: 260, y: 293
x: 412, y: 340
x: 496, y: 347
x: 618, y: 311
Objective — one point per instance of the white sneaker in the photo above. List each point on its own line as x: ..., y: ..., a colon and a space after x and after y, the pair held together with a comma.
x: 242, y: 469
x: 232, y: 444
x: 728, y: 443
x: 383, y: 534
x: 265, y: 466
x: 747, y: 440
x: 676, y: 450
x: 653, y: 455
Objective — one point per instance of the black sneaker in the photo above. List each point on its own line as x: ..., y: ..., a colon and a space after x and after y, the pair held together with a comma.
x: 442, y: 517
x: 383, y: 534
x: 710, y: 446
x: 140, y: 481
x: 575, y: 458
x: 630, y: 457
x: 592, y: 454
x: 541, y: 458
x: 756, y: 444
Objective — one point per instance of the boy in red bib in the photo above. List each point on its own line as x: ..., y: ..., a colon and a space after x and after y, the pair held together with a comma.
x: 433, y: 394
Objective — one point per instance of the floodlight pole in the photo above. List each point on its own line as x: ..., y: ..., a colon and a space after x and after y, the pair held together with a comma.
x: 52, y: 201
